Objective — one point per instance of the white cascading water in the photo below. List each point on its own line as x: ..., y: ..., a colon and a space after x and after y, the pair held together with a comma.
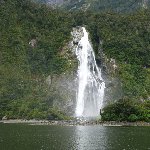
x: 91, y: 85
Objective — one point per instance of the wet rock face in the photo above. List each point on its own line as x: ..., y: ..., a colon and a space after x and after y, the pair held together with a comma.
x: 77, y: 34
x: 113, y: 90
x: 33, y: 43
x: 64, y: 86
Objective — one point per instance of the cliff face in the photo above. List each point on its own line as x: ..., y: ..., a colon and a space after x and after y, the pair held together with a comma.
x: 110, y: 70
x: 102, y: 6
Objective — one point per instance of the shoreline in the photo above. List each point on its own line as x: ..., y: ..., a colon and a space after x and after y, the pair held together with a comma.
x: 73, y: 122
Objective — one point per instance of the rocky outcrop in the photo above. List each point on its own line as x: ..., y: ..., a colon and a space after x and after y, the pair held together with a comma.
x: 77, y: 34
x: 49, y: 80
x: 33, y: 43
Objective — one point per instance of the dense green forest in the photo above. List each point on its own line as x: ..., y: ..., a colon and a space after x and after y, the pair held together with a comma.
x: 24, y: 67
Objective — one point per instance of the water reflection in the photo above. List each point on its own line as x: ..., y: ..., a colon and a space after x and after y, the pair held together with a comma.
x: 111, y: 138
x: 26, y: 137
x: 89, y: 138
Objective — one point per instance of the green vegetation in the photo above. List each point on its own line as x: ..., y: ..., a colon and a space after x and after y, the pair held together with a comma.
x: 125, y: 38
x: 127, y: 110
x: 23, y: 69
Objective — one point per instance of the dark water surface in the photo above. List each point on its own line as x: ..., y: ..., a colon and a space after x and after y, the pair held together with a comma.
x: 31, y: 137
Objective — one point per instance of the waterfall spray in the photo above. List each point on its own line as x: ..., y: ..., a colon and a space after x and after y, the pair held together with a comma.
x: 91, y: 85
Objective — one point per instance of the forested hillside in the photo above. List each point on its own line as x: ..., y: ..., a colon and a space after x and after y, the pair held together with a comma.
x: 33, y: 37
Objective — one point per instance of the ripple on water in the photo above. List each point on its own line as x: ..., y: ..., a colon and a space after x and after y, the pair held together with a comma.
x: 24, y: 137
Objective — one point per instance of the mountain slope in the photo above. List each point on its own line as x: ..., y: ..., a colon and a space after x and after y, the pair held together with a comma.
x: 101, y: 5
x: 32, y: 40
x: 107, y: 5
x: 34, y: 48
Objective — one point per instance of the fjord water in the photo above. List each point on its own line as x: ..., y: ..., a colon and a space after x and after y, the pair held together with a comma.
x: 90, y: 82
x: 30, y: 137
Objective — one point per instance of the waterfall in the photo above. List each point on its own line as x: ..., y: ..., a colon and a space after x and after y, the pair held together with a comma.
x: 90, y: 82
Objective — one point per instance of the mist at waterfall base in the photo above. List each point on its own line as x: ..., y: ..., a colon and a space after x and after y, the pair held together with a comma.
x: 91, y: 86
